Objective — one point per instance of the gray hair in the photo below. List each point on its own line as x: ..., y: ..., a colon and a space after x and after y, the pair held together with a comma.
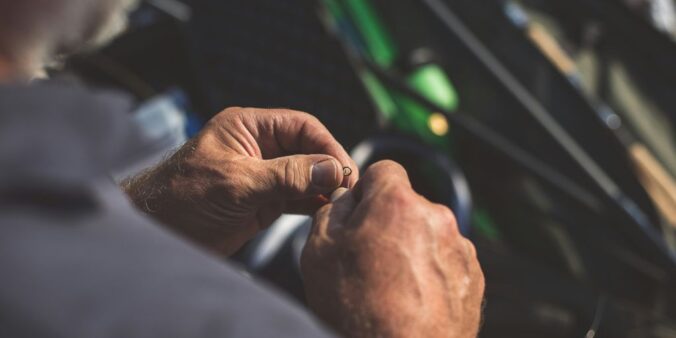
x: 38, y: 33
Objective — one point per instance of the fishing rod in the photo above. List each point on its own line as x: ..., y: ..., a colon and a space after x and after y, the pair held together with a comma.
x: 362, y: 49
x: 620, y: 202
x: 627, y: 207
x: 657, y: 182
x: 631, y: 65
x: 493, y: 140
x: 540, y: 170
x: 472, y: 127
x: 503, y: 29
x: 636, y: 41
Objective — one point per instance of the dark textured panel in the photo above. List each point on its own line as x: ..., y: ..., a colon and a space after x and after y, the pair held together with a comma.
x: 276, y: 53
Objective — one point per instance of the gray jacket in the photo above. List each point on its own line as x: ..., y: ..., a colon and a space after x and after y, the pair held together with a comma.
x: 77, y: 260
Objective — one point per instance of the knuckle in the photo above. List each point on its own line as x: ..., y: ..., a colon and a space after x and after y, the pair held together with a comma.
x: 286, y: 111
x: 480, y: 281
x: 305, y: 116
x: 310, y: 118
x: 231, y: 110
x: 311, y: 123
x: 471, y: 249
x: 398, y: 195
x: 446, y: 217
x: 439, y: 221
x: 297, y: 114
x: 224, y: 116
x: 385, y: 167
x: 386, y: 171
x: 290, y: 178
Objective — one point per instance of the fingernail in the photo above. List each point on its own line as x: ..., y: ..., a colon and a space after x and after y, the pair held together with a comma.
x: 324, y: 174
x: 338, y: 193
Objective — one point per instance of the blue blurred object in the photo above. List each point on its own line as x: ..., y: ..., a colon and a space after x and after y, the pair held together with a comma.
x: 164, y: 123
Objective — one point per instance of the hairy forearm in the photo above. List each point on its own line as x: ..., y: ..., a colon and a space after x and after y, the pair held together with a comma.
x: 155, y: 192
x: 175, y: 192
x: 141, y: 189
x: 148, y: 189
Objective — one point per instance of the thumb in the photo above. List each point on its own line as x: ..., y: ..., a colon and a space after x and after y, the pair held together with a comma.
x: 302, y: 176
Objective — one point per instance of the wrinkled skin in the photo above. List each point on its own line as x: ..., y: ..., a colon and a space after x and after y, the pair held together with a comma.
x: 382, y: 261
x: 240, y: 173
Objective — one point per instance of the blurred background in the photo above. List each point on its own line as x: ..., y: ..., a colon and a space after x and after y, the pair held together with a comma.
x: 547, y: 126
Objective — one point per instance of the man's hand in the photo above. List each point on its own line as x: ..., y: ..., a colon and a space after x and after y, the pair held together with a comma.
x: 382, y: 261
x: 240, y: 173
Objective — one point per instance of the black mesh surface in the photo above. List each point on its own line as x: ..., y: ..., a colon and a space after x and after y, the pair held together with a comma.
x: 277, y: 53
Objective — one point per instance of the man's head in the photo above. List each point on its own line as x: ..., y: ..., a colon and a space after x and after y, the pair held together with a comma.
x: 34, y: 33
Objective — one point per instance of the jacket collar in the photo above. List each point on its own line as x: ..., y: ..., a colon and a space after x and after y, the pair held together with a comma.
x: 64, y: 134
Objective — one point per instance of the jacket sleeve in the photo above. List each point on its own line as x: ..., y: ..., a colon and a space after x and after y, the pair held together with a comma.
x: 108, y: 271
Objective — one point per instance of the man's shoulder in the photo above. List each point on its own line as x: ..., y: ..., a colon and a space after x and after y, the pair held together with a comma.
x: 63, y: 133
x: 78, y: 260
x: 102, y: 267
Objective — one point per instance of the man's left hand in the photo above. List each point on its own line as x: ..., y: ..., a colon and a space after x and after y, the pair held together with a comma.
x: 246, y: 168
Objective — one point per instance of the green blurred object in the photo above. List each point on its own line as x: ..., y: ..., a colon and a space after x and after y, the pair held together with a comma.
x: 417, y: 120
x: 333, y: 7
x: 429, y: 79
x: 378, y: 42
x: 431, y: 82
x: 381, y: 97
x: 484, y: 226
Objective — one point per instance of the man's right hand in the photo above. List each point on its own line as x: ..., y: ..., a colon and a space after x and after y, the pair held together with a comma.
x: 382, y: 261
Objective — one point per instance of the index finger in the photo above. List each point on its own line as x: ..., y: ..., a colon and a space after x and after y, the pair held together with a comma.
x: 289, y: 132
